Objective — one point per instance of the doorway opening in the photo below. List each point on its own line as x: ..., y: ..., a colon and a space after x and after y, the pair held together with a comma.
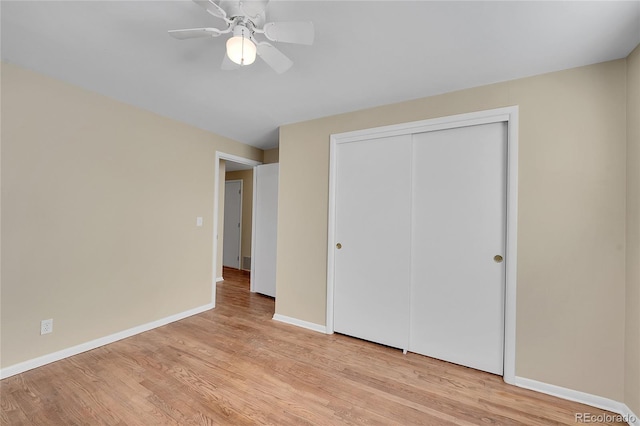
x: 233, y: 229
x: 234, y: 254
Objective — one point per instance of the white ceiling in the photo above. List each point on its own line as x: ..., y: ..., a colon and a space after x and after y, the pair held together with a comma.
x: 367, y: 53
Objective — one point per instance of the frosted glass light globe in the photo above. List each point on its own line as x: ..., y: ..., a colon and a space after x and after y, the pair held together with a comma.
x: 241, y: 50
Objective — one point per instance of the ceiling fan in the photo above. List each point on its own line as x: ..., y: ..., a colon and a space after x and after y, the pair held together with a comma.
x: 244, y: 21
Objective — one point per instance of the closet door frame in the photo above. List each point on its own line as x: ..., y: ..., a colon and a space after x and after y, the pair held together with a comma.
x: 508, y: 115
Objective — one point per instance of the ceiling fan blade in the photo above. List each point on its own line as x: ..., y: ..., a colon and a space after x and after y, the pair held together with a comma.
x: 194, y: 33
x: 228, y: 64
x: 273, y: 57
x: 290, y: 32
x: 213, y: 9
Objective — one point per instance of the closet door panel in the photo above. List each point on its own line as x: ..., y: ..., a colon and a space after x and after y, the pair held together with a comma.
x: 265, y: 232
x: 458, y: 226
x: 372, y: 227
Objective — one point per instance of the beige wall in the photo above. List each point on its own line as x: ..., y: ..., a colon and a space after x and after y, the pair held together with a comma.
x: 246, y: 176
x: 271, y: 156
x: 571, y: 231
x: 632, y: 358
x: 99, y: 204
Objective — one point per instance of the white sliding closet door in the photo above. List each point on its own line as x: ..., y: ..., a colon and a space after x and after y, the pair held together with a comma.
x: 458, y: 226
x: 372, y: 226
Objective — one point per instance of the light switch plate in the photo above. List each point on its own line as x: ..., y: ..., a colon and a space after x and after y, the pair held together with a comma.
x: 199, y: 221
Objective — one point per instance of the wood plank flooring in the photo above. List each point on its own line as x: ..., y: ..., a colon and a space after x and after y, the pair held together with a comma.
x: 235, y: 365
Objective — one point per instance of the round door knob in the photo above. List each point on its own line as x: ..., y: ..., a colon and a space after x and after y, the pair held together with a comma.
x: 497, y: 258
x: 338, y: 246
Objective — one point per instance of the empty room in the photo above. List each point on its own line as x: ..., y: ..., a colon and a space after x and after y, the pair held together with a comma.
x: 319, y: 212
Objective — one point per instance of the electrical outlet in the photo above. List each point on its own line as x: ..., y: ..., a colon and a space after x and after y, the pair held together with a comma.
x: 46, y: 326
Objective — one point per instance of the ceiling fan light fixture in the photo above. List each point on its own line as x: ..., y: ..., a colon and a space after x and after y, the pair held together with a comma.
x: 240, y: 49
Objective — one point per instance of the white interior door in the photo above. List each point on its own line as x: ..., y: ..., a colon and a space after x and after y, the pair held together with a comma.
x: 372, y: 234
x: 232, y: 223
x: 458, y: 226
x: 265, y: 229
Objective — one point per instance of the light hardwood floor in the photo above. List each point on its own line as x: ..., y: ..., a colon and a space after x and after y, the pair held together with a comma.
x: 235, y: 365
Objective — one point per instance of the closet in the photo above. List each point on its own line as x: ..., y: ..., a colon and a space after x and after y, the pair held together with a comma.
x: 418, y: 235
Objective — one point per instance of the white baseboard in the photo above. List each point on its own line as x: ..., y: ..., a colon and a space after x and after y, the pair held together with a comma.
x: 219, y: 279
x: 581, y: 397
x: 93, y: 344
x: 300, y: 323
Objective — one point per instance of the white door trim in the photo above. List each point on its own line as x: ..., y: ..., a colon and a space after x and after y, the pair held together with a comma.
x: 216, y: 194
x: 508, y: 115
x: 254, y: 195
